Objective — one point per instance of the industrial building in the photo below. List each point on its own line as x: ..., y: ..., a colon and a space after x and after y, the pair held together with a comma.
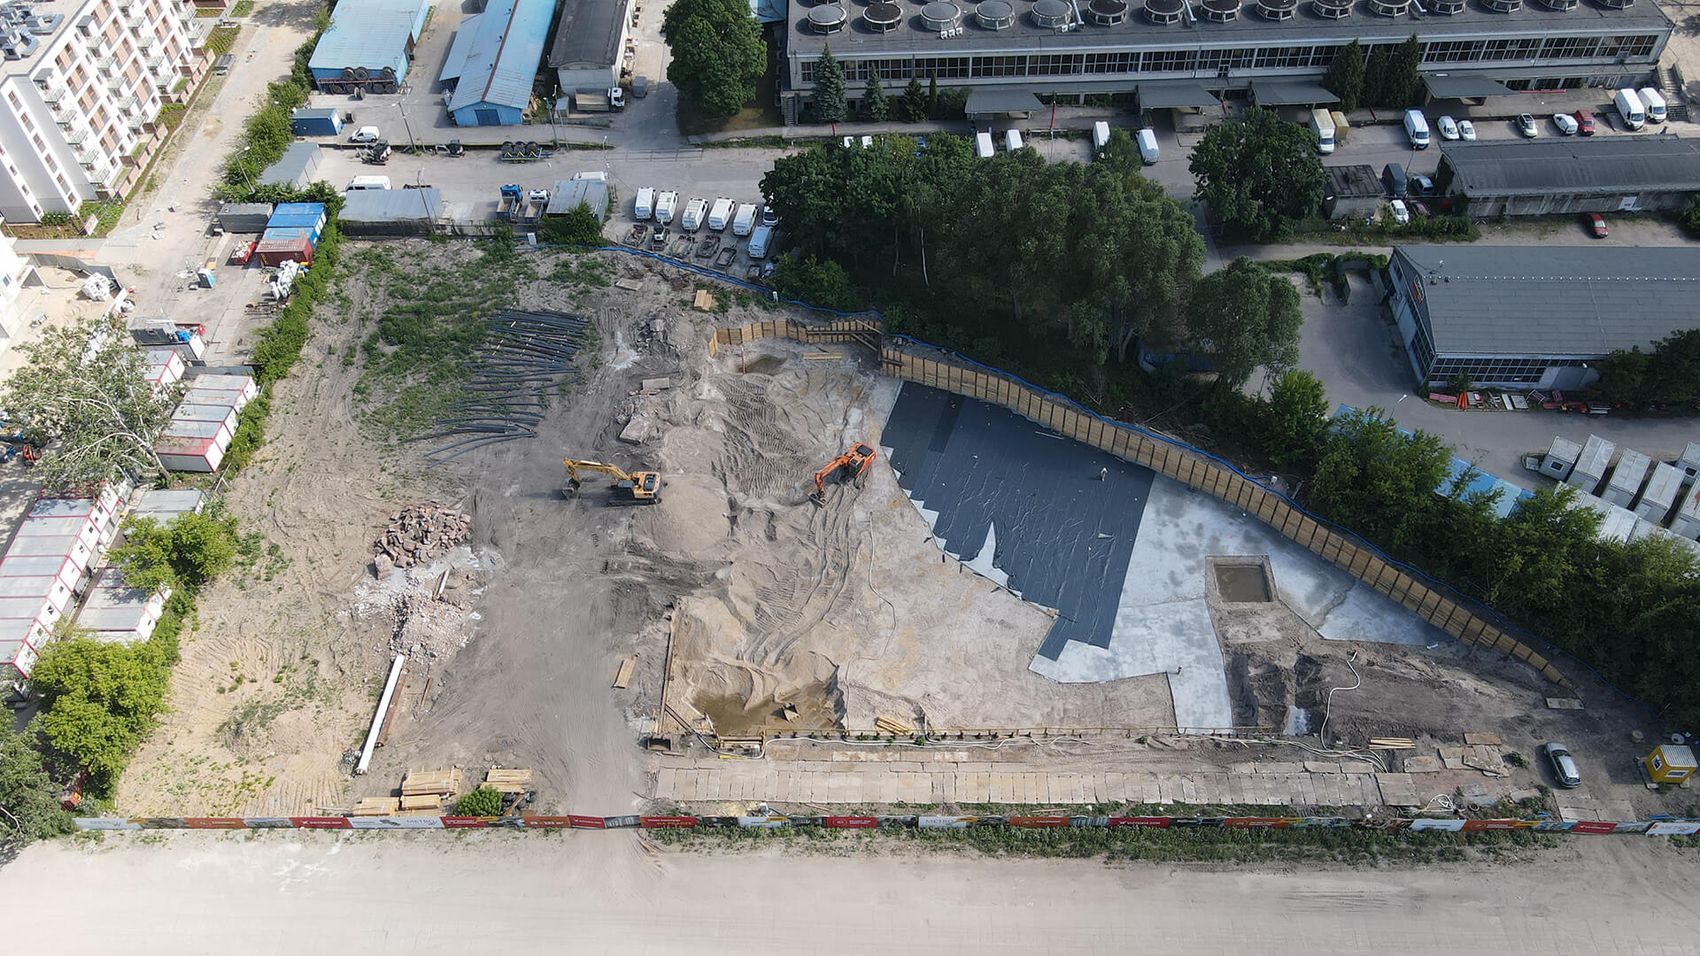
x: 298, y: 167
x: 493, y: 61
x: 390, y: 212
x: 368, y: 45
x: 1571, y: 174
x: 568, y: 193
x: 80, y: 88
x: 1353, y: 192
x: 1522, y: 317
x: 589, y: 49
x: 1161, y: 51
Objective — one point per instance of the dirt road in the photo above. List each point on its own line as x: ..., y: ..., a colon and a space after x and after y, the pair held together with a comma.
x: 594, y: 893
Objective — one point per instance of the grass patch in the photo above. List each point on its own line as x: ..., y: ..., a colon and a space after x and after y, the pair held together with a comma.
x: 107, y: 211
x: 753, y: 142
x: 242, y: 8
x: 208, y: 13
x: 221, y: 39
x: 760, y: 113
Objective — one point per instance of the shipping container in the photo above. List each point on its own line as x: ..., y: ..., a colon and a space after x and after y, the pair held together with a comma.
x: 312, y: 225
x: 1660, y: 493
x: 246, y: 217
x: 1560, y: 458
x: 1624, y: 486
x: 1686, y: 521
x: 1591, y: 464
x: 275, y: 253
x: 315, y: 122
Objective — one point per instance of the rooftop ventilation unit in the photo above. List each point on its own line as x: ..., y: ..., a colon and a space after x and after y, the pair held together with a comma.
x: 1051, y: 14
x: 1446, y: 8
x: 1389, y: 8
x: 1616, y: 4
x: 1278, y: 9
x: 1332, y: 9
x: 995, y: 14
x: 940, y: 16
x: 1221, y: 11
x: 828, y: 18
x: 1561, y: 6
x: 1107, y: 13
x: 43, y: 24
x: 1163, y: 11
x: 882, y: 16
x: 1503, y: 6
x: 15, y: 44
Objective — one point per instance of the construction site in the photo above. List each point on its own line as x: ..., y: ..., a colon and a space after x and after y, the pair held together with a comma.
x: 739, y: 531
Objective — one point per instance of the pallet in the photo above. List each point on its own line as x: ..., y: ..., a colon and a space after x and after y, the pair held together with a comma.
x: 421, y: 782
x: 505, y: 780
x: 1392, y: 743
x: 432, y: 801
x: 376, y: 807
x: 623, y: 676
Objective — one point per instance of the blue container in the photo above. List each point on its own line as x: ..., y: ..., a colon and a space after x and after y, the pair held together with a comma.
x: 315, y: 122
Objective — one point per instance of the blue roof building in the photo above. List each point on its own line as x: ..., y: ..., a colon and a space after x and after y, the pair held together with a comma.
x: 493, y: 62
x: 368, y: 45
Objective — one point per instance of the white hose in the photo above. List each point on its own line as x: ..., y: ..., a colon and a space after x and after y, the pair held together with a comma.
x: 1328, y: 703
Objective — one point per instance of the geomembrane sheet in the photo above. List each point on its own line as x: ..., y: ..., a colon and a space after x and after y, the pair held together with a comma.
x: 1059, y: 532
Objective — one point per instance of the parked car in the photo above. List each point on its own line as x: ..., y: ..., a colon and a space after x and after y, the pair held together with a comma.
x: 769, y: 217
x: 1563, y: 765
x: 1584, y: 122
x: 1467, y: 131
x: 1596, y: 224
x: 1448, y: 127
x: 1401, y: 215
x: 1526, y: 125
x: 1566, y: 123
x: 1421, y: 185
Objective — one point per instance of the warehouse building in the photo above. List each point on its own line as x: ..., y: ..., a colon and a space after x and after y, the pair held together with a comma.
x: 1353, y: 192
x: 298, y: 167
x: 390, y: 212
x: 1522, y: 317
x: 368, y: 46
x: 589, y: 48
x: 569, y: 193
x: 1570, y: 175
x: 493, y: 61
x: 1159, y: 51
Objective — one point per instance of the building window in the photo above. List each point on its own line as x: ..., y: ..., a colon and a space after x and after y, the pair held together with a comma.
x: 1112, y: 62
x: 1168, y: 61
x: 999, y: 66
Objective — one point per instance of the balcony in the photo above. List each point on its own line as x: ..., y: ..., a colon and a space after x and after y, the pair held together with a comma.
x: 106, y: 63
x: 63, y: 111
x: 77, y: 136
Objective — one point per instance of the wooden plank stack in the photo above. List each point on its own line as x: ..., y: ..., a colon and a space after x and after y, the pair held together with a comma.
x: 425, y: 803
x: 508, y: 780
x: 376, y: 807
x: 623, y: 676
x: 890, y: 725
x: 443, y: 783
x: 1392, y: 743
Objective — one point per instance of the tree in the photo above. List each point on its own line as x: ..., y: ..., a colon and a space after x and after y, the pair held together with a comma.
x: 578, y: 228
x: 83, y: 395
x: 1669, y: 373
x: 718, y: 54
x: 99, y: 700
x: 185, y: 554
x: 1245, y: 316
x: 1375, y: 77
x: 876, y: 106
x: 819, y: 282
x: 29, y: 801
x: 1402, y: 83
x: 1297, y: 420
x: 1345, y: 77
x: 913, y: 104
x: 1380, y: 482
x: 481, y: 802
x: 933, y: 102
x: 1259, y: 176
x: 830, y: 103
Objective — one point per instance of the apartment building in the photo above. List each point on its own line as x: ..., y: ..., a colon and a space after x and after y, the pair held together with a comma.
x: 80, y: 87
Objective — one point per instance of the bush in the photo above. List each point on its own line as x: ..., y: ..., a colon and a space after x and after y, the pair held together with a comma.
x: 27, y: 793
x: 482, y: 802
x: 1691, y: 219
x: 281, y: 342
x: 579, y: 229
x: 99, y: 700
x: 250, y: 432
x: 183, y: 555
x: 819, y: 282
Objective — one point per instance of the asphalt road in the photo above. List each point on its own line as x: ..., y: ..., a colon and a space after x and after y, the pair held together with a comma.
x: 288, y: 893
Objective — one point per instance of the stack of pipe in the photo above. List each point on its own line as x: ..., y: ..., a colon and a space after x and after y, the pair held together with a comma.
x: 524, y: 357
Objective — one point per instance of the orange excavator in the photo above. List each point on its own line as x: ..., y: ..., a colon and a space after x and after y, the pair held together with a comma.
x: 850, y: 466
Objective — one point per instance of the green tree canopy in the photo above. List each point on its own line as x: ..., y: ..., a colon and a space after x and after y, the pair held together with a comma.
x: 1402, y: 86
x: 1259, y: 176
x: 1345, y: 77
x: 1668, y: 374
x: 717, y: 51
x: 1297, y: 422
x: 1379, y: 481
x: 876, y: 106
x: 100, y: 699
x: 1244, y: 317
x: 913, y: 105
x: 578, y: 228
x: 83, y: 394
x: 29, y: 800
x: 187, y: 553
x: 831, y: 105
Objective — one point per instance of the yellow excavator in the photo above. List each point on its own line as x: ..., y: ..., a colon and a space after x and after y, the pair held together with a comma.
x: 641, y: 487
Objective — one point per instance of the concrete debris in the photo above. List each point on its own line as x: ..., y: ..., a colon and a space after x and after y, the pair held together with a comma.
x: 1563, y: 703
x: 417, y: 534
x: 1423, y: 765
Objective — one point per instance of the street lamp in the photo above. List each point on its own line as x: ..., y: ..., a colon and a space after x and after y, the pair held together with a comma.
x: 242, y: 164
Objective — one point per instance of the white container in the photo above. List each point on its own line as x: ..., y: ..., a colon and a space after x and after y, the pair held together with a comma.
x: 1100, y: 136
x: 691, y: 221
x: 665, y: 205
x: 1416, y: 129
x: 1560, y: 458
x: 643, y: 207
x: 983, y: 145
x: 744, y: 220
x: 1012, y: 139
x: 1626, y: 479
x: 59, y: 567
x: 1322, y: 124
x: 1630, y: 108
x: 1591, y: 465
x: 1654, y: 101
x: 1660, y: 493
x: 760, y: 240
x: 1147, y: 140
x: 720, y: 214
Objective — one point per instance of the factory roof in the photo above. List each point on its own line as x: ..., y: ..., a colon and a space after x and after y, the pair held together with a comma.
x: 296, y: 166
x: 391, y: 205
x: 1545, y: 300
x: 570, y: 192
x: 368, y: 33
x: 1574, y: 165
x: 588, y: 33
x: 500, y: 60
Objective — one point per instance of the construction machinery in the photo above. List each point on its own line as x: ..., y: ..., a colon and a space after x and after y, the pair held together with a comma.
x: 850, y: 466
x: 641, y: 487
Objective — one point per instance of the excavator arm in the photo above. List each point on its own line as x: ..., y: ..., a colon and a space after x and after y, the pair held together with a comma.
x: 640, y: 486
x: 851, y: 466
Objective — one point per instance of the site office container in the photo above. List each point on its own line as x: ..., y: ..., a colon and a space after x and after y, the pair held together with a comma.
x: 83, y: 529
x: 24, y: 629
x: 123, y: 612
x: 1626, y: 479
x: 243, y: 385
x: 221, y: 413
x: 17, y: 659
x: 59, y: 567
x: 1591, y: 464
x: 1660, y: 493
x: 44, y: 590
x: 165, y: 367
x: 99, y: 512
x: 28, y: 615
x: 68, y: 544
x: 193, y: 446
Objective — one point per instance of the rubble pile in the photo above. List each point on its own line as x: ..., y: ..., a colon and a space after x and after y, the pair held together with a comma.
x: 417, y: 534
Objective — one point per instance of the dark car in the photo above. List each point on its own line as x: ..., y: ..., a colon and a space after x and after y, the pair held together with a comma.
x: 1563, y: 765
x: 1584, y: 122
x: 1596, y: 224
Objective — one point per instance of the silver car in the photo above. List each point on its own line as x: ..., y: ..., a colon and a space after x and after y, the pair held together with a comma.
x: 1563, y: 765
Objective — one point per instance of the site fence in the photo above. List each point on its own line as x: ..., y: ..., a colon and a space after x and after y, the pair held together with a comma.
x: 947, y: 734
x: 1660, y: 827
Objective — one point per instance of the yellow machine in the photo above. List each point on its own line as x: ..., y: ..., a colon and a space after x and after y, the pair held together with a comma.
x: 643, y: 487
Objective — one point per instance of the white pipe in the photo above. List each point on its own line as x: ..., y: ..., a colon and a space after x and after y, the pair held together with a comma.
x: 378, y: 718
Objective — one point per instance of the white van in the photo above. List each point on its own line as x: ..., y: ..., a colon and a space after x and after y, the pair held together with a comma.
x: 759, y: 241
x: 695, y: 210
x: 365, y: 134
x: 367, y: 182
x: 744, y: 220
x: 665, y: 204
x: 720, y: 214
x: 1416, y: 129
x: 983, y: 145
x: 1147, y: 140
x: 644, y: 205
x: 1654, y: 101
x: 1012, y: 139
x: 1100, y: 136
x: 1630, y: 108
x: 1322, y: 124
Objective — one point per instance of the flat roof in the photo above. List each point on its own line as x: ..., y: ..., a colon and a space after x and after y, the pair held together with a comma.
x: 503, y: 54
x: 1174, y: 95
x: 298, y: 160
x: 1631, y: 470
x: 1596, y: 455
x: 1357, y: 181
x: 1662, y: 486
x: 1545, y: 300
x: 588, y: 34
x: 1001, y: 99
x: 391, y: 205
x: 1291, y: 93
x: 1248, y: 29
x: 1572, y: 165
x: 1454, y: 86
x: 569, y: 193
x: 368, y: 33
